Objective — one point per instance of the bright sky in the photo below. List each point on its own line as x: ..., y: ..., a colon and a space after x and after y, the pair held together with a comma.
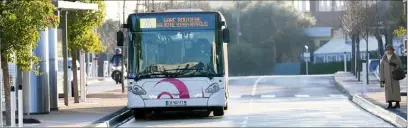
x: 114, y: 8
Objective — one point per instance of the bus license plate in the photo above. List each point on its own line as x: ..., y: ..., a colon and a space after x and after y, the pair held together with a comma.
x: 176, y: 103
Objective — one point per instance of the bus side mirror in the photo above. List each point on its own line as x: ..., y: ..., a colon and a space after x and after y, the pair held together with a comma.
x: 226, y: 35
x: 119, y: 38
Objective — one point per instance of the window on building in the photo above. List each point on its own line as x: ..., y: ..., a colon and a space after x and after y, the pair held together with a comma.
x: 340, y: 57
x: 331, y: 58
x: 319, y: 59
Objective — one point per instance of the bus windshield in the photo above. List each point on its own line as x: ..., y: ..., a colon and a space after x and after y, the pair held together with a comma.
x: 185, y: 53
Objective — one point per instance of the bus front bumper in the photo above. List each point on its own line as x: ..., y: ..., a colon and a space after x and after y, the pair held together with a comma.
x: 215, y: 100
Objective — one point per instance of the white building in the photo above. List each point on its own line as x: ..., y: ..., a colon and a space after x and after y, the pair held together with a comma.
x: 335, y: 49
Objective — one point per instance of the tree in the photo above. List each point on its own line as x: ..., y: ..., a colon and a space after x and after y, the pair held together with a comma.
x: 399, y: 17
x: 162, y: 6
x: 82, y: 35
x: 108, y: 34
x: 273, y: 33
x: 353, y: 22
x: 19, y: 23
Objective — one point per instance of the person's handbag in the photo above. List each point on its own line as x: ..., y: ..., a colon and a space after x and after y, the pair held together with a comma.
x: 398, y: 74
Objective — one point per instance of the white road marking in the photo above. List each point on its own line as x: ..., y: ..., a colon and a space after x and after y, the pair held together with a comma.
x: 235, y: 96
x: 252, y: 99
x: 255, y: 85
x: 267, y: 96
x: 302, y: 96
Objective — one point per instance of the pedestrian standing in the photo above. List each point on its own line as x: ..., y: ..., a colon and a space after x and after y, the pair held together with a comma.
x: 390, y: 62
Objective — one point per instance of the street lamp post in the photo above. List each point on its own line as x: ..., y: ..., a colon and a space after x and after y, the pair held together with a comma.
x: 306, y: 56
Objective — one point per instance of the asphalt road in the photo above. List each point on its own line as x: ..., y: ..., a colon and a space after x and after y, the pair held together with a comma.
x: 103, y: 86
x: 275, y: 101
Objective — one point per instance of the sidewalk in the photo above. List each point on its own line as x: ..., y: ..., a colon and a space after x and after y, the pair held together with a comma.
x: 372, y: 97
x: 98, y: 105
x: 93, y: 80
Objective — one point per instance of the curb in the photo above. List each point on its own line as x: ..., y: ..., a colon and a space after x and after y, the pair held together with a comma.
x: 114, y: 119
x: 342, y: 89
x: 372, y: 108
x: 379, y: 111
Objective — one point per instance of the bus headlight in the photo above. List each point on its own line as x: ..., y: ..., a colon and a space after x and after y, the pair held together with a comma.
x: 137, y: 90
x: 213, y: 88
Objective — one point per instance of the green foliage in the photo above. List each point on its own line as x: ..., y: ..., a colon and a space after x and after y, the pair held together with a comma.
x: 164, y: 5
x: 324, y: 68
x: 400, y: 31
x: 82, y: 27
x: 20, y: 21
x: 271, y: 33
x: 397, y: 17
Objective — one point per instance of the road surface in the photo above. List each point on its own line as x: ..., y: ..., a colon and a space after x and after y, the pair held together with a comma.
x: 278, y: 101
x: 103, y: 86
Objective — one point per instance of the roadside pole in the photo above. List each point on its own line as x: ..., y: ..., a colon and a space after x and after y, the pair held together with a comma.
x: 406, y: 3
x: 82, y: 74
x: 123, y: 55
x: 65, y: 54
x: 13, y: 105
x: 306, y: 56
x: 1, y: 93
x: 20, y: 105
x: 345, y: 61
x: 365, y: 78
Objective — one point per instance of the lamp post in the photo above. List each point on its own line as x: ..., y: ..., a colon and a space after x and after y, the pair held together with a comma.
x: 306, y: 56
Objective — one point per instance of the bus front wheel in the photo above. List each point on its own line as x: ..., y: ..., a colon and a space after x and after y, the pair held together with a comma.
x: 218, y: 111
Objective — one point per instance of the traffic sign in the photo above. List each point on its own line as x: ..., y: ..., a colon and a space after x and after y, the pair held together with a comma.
x: 306, y: 54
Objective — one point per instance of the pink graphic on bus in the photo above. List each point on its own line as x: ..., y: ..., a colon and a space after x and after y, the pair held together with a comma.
x: 181, y: 87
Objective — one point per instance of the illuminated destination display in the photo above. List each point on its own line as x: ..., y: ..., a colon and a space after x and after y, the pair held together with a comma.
x: 182, y: 22
x: 158, y: 22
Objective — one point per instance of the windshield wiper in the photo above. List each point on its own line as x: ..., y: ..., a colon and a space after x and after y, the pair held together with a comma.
x: 156, y: 75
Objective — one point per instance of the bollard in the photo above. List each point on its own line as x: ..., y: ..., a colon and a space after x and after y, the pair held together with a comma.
x: 13, y: 106
x: 20, y: 105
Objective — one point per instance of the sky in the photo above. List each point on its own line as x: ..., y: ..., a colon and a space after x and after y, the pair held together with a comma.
x: 114, y: 8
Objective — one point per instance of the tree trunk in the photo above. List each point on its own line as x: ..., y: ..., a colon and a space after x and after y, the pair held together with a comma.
x: 358, y: 55
x: 353, y: 54
x: 75, y: 75
x: 6, y: 87
x: 388, y: 36
x: 380, y: 44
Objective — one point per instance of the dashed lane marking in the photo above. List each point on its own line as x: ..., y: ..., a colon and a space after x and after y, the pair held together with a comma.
x: 302, y: 96
x: 267, y: 96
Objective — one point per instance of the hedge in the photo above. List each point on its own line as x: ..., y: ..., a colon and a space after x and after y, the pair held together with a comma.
x: 324, y: 68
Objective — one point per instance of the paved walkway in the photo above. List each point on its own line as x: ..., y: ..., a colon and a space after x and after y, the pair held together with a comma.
x: 372, y: 92
x: 98, y: 105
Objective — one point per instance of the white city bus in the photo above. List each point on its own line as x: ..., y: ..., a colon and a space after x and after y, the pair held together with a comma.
x: 177, y: 61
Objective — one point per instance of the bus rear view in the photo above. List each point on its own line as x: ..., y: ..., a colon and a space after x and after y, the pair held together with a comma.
x: 177, y: 61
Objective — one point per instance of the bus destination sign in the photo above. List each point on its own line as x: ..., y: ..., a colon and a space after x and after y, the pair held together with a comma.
x: 177, y: 22
x: 182, y: 22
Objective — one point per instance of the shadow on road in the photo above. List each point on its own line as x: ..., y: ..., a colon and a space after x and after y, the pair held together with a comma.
x: 178, y: 115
